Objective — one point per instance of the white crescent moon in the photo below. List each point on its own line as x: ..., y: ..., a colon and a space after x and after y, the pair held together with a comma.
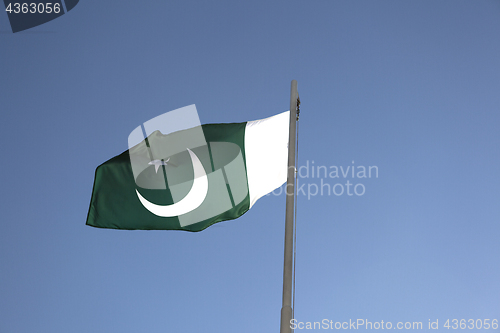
x: 191, y: 201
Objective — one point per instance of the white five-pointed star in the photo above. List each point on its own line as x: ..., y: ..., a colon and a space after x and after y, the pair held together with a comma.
x: 157, y: 163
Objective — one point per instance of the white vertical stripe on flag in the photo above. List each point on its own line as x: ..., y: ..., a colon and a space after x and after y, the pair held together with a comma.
x: 266, y: 150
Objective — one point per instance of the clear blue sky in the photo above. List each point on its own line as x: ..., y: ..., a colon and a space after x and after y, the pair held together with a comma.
x: 411, y: 87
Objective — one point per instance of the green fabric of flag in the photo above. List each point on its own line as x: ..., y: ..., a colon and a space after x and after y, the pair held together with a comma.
x: 154, y: 187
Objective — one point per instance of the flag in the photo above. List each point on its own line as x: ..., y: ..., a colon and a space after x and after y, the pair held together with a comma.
x: 191, y: 178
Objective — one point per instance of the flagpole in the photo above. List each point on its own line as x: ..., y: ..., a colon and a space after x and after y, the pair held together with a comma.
x: 286, y: 309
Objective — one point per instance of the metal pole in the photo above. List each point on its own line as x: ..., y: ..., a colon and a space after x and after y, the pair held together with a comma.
x: 286, y: 309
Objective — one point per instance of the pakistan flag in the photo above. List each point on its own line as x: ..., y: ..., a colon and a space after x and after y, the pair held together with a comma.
x: 191, y: 178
